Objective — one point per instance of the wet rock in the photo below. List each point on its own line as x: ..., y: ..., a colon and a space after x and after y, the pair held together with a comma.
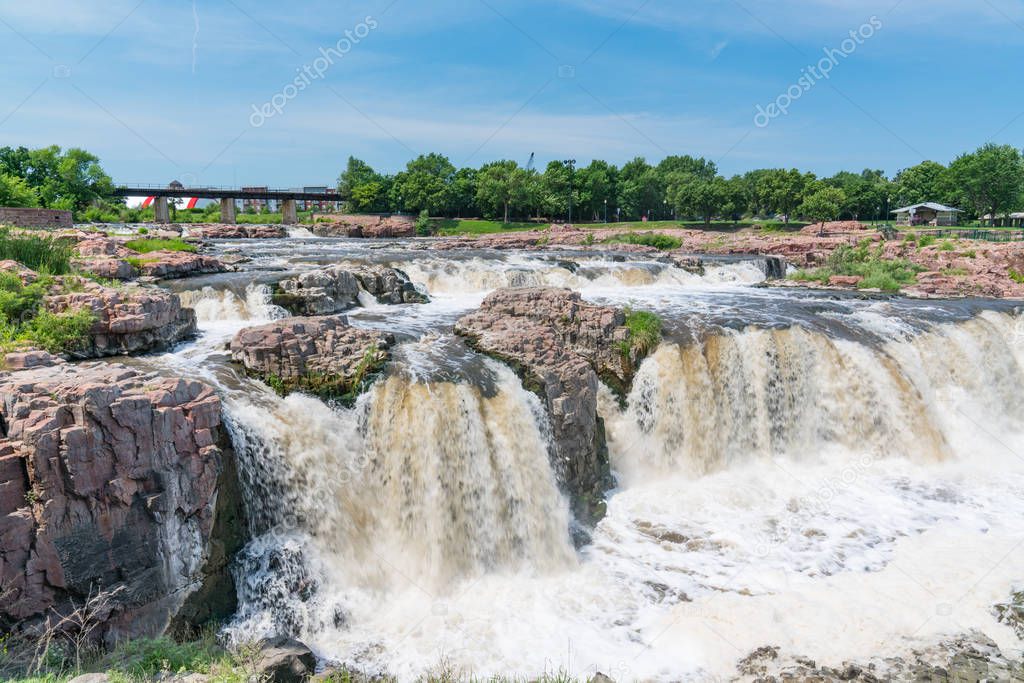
x: 371, y: 227
x: 108, y: 484
x: 237, y: 232
x: 561, y: 347
x: 323, y: 356
x: 321, y: 292
x: 1011, y: 613
x: 389, y: 285
x: 129, y: 319
x: 284, y: 660
x: 107, y: 257
x: 174, y: 265
x: 336, y: 289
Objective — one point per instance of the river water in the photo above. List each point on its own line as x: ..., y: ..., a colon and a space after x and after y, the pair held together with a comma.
x: 842, y: 478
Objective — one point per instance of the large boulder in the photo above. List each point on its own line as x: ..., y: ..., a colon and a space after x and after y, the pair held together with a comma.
x: 323, y: 356
x: 173, y: 265
x: 111, y: 485
x: 562, y: 347
x: 284, y: 660
x: 389, y: 285
x: 107, y: 257
x: 373, y: 227
x: 129, y: 319
x: 336, y: 289
x: 321, y: 292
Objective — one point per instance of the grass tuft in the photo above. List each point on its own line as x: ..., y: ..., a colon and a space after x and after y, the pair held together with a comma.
x: 43, y: 254
x: 647, y: 239
x: 145, y: 246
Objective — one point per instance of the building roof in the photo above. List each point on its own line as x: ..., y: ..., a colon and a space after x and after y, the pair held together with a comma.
x: 928, y: 205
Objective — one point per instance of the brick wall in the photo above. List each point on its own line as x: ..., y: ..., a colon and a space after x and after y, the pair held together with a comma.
x: 35, y: 218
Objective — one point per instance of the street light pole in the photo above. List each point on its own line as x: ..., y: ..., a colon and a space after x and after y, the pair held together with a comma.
x: 606, y: 211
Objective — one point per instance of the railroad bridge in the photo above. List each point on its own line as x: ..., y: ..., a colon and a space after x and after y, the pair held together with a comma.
x: 227, y: 197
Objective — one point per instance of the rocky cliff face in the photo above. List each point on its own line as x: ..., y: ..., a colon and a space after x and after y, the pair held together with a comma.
x: 336, y: 289
x: 129, y: 319
x: 561, y: 346
x: 323, y: 356
x: 111, y: 481
x: 237, y: 232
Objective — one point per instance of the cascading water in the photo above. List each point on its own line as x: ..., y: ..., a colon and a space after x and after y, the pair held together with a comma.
x: 836, y: 478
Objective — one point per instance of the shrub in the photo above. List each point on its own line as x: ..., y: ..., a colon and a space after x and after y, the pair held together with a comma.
x: 40, y: 253
x: 878, y: 273
x: 143, y: 231
x: 946, y: 246
x: 423, y: 224
x: 145, y: 246
x: 58, y: 332
x: 644, y: 331
x: 648, y: 239
x: 1017, y: 277
x: 926, y: 241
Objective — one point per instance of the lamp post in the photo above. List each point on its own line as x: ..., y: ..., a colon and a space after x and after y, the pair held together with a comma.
x: 571, y: 163
x: 606, y: 211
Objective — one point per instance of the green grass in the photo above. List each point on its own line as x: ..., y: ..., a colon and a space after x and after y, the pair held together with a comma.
x: 43, y: 254
x: 147, y: 245
x: 1017, y: 277
x: 888, y: 275
x: 644, y: 332
x: 455, y: 226
x: 24, y: 322
x: 648, y: 239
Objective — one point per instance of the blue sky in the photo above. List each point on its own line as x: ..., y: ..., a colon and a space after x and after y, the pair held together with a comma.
x: 164, y: 89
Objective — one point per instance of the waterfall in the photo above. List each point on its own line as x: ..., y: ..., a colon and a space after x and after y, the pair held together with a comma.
x: 425, y: 482
x: 220, y: 305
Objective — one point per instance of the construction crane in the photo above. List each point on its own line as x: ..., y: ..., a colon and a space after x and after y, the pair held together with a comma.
x: 529, y: 164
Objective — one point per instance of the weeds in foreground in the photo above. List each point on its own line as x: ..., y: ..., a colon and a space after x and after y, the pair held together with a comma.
x: 43, y: 254
x: 644, y: 333
x: 24, y: 320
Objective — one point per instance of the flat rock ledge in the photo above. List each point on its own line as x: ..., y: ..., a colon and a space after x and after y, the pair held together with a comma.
x: 336, y: 289
x: 237, y: 232
x: 107, y: 257
x: 129, y: 319
x: 562, y: 347
x: 323, y: 356
x: 112, y: 483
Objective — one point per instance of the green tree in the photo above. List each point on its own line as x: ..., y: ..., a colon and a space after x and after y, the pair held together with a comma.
x: 554, y: 188
x: 640, y: 188
x: 501, y: 187
x: 61, y: 180
x: 991, y: 179
x: 929, y: 181
x: 783, y: 190
x: 697, y: 195
x: 425, y: 183
x: 15, y: 191
x: 866, y: 193
x: 362, y: 187
x: 823, y: 204
x: 462, y: 192
x: 596, y: 189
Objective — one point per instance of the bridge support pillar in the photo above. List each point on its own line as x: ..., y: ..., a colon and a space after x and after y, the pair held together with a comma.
x: 227, y: 211
x: 289, y: 215
x: 162, y: 209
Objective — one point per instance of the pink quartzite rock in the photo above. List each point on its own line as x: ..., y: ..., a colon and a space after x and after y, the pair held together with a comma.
x: 129, y: 319
x: 321, y: 355
x: 237, y: 232
x: 562, y: 347
x: 377, y: 227
x: 107, y: 257
x: 108, y: 482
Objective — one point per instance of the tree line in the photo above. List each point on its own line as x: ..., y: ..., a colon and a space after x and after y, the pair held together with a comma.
x: 989, y: 180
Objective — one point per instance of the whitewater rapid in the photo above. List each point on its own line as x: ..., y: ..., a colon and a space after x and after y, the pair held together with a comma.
x: 841, y: 479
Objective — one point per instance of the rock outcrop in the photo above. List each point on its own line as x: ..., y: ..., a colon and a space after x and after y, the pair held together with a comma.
x: 111, y: 485
x: 324, y: 356
x: 336, y: 289
x: 129, y: 319
x: 107, y: 257
x: 375, y: 227
x: 561, y: 347
x: 237, y: 232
